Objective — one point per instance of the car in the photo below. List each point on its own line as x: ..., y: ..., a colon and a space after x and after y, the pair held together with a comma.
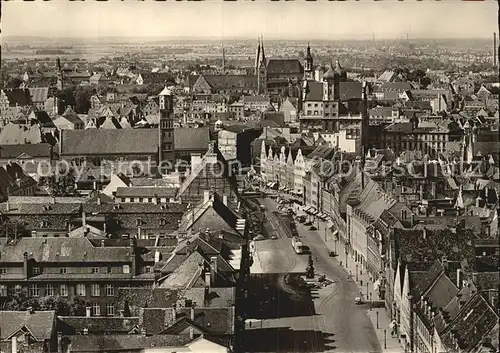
x: 331, y: 254
x: 274, y: 237
x: 358, y: 300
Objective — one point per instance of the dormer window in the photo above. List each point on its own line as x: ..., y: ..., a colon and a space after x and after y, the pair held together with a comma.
x: 44, y: 223
x: 46, y: 208
x: 139, y: 222
x: 36, y: 270
x: 163, y: 222
x: 116, y: 207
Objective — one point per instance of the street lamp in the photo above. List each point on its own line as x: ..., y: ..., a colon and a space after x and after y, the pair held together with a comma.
x: 385, y: 339
x: 370, y: 301
x: 357, y: 273
x: 325, y: 233
x: 346, y: 253
x: 377, y: 318
x: 366, y: 290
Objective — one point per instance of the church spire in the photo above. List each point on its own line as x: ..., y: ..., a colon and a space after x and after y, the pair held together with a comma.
x: 257, y: 56
x: 263, y: 59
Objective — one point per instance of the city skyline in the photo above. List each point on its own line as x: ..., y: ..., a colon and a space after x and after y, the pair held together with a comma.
x: 231, y: 20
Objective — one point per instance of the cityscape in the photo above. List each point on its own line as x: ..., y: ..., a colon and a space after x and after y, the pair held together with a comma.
x: 239, y: 177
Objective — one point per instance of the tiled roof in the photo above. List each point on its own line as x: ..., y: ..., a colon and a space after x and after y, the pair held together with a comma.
x: 284, y: 66
x: 71, y: 325
x: 475, y: 320
x: 380, y: 111
x: 187, y: 139
x: 115, y: 142
x: 125, y: 343
x: 215, y: 321
x: 231, y: 81
x: 146, y: 192
x: 314, y: 91
x: 187, y: 271
x: 61, y: 250
x: 413, y: 247
x: 441, y: 292
x: 39, y: 94
x: 14, y: 134
x: 217, y: 297
x: 72, y: 116
x: 350, y: 90
x: 395, y: 86
x: 39, y: 323
x: 38, y: 150
x: 20, y: 97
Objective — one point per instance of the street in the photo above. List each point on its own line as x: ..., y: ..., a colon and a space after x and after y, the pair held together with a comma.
x: 288, y: 318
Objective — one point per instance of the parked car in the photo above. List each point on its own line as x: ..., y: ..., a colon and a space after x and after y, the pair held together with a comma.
x: 274, y: 237
x: 331, y: 254
x: 358, y: 300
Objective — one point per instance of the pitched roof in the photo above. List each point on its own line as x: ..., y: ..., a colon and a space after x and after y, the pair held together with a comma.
x: 39, y: 323
x: 146, y: 192
x: 37, y: 150
x: 284, y: 66
x: 21, y: 97
x: 114, y: 343
x: 230, y: 81
x: 14, y: 134
x: 350, y: 90
x: 71, y: 325
x: 187, y: 139
x: 39, y: 94
x: 118, y: 142
x: 395, y: 86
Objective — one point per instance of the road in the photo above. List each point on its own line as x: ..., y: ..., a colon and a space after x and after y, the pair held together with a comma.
x: 325, y: 320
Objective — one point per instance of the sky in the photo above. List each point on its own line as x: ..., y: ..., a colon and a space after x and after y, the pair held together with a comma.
x: 247, y: 19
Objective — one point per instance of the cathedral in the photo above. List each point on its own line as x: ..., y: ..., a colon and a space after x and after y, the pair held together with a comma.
x: 281, y: 76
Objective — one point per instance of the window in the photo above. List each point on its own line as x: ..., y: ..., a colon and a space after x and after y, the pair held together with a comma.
x: 36, y: 270
x: 110, y: 290
x: 80, y: 290
x: 95, y: 290
x: 163, y: 222
x: 96, y: 309
x: 110, y: 309
x: 123, y: 199
x: 138, y: 221
x: 109, y: 269
x: 49, y: 290
x: 63, y: 290
x: 34, y: 290
x: 95, y: 270
x: 148, y: 269
x: 126, y: 269
x: 63, y: 271
x: 3, y: 271
x: 3, y: 290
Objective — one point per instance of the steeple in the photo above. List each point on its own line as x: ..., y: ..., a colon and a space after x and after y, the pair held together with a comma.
x: 263, y: 59
x: 257, y: 56
x: 308, y: 64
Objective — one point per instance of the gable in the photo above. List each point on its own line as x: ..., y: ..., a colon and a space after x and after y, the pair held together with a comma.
x: 201, y: 84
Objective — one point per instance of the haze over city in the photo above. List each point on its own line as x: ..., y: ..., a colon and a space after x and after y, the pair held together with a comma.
x: 217, y: 19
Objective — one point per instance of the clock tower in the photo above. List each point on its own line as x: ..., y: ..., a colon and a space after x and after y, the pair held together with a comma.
x: 166, y: 132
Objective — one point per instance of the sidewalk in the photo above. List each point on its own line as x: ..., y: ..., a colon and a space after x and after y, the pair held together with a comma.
x: 367, y: 292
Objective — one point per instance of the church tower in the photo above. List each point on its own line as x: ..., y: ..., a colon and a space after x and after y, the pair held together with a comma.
x: 60, y: 85
x: 257, y: 57
x: 308, y: 65
x: 261, y: 73
x: 166, y: 131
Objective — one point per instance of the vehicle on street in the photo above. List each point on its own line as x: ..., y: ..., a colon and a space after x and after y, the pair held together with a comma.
x: 297, y: 245
x: 358, y: 300
x: 274, y: 237
x: 331, y: 254
x: 301, y: 219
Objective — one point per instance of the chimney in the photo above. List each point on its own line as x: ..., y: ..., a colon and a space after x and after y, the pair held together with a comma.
x: 86, y: 231
x: 208, y: 278
x: 132, y: 246
x: 84, y: 219
x: 444, y: 261
x: 191, y: 313
x: 224, y: 199
x: 25, y: 266
x: 95, y: 185
x: 433, y: 190
x: 88, y: 311
x: 459, y: 278
x: 421, y: 191
x: 174, y: 314
x: 14, y: 344
x: 213, y: 269
x: 191, y: 333
x: 206, y: 195
x: 102, y: 243
x: 412, y: 220
x: 424, y: 233
x: 143, y: 332
x: 59, y: 343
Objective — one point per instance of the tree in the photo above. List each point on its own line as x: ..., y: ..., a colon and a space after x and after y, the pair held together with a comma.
x: 18, y: 300
x: 310, y: 268
x: 59, y: 304
x: 62, y: 184
x: 14, y: 82
x: 82, y: 101
x: 13, y: 229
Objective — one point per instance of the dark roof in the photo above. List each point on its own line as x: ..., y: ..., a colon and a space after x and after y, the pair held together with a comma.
x: 188, y: 139
x: 284, y: 66
x: 115, y: 142
x: 350, y: 90
x: 231, y: 81
x: 37, y: 150
x: 475, y: 320
x: 145, y: 192
x: 21, y: 97
x: 314, y: 91
x: 71, y: 325
x: 39, y: 323
x: 277, y: 117
x: 114, y: 343
x: 215, y: 321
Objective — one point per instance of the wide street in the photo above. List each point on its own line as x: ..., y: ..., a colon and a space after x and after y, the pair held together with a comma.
x: 294, y: 319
